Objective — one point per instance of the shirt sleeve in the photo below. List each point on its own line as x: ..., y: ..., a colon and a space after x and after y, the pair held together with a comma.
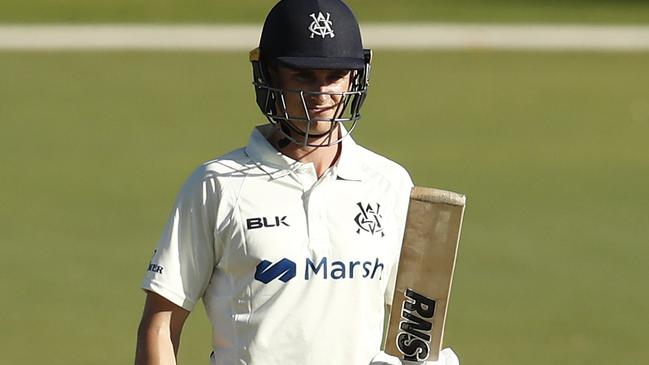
x: 184, y: 258
x: 403, y: 201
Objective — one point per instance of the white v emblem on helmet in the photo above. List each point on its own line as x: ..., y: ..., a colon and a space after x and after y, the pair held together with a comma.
x: 321, y: 26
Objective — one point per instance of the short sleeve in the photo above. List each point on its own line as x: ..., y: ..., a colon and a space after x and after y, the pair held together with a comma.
x: 403, y: 200
x: 184, y: 258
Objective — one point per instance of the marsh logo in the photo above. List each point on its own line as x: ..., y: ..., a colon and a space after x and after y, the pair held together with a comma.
x: 266, y: 271
x: 369, y: 219
x: 285, y: 270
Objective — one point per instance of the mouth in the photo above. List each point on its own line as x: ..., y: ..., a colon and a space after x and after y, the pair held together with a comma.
x: 321, y: 109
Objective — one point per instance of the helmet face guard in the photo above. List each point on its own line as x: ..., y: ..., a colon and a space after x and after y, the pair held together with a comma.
x: 272, y: 102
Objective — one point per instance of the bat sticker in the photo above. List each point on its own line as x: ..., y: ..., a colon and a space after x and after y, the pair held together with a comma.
x: 416, y: 326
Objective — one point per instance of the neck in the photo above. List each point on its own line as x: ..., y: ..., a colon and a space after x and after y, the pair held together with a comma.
x: 322, y: 157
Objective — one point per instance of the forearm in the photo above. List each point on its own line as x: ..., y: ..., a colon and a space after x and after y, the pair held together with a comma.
x: 155, y: 346
x: 158, y: 336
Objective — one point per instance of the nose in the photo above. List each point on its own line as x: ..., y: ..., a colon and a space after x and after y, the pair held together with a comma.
x: 321, y: 86
x: 323, y: 93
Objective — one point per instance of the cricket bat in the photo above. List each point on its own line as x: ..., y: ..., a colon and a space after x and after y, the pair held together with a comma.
x: 425, y: 274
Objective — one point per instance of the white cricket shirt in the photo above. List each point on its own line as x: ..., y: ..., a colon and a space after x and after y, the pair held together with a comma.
x: 292, y: 269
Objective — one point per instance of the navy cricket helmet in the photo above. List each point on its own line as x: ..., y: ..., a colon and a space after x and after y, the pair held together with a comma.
x: 310, y: 34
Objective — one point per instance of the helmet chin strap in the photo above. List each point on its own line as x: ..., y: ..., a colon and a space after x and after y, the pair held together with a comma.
x: 284, y: 141
x: 288, y: 129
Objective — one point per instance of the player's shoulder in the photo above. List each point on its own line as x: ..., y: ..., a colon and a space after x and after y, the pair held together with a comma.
x: 381, y: 168
x: 233, y: 163
x: 220, y: 171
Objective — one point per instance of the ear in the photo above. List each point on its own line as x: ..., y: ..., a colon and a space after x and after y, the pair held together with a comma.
x: 264, y: 97
x: 353, y: 78
x: 273, y: 76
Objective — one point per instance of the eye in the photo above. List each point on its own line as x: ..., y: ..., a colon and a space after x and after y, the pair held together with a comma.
x: 337, y: 76
x: 302, y: 76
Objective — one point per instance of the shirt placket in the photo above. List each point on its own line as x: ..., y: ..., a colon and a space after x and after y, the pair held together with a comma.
x: 315, y: 200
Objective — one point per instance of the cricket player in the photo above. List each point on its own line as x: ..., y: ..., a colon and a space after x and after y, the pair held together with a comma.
x: 292, y: 241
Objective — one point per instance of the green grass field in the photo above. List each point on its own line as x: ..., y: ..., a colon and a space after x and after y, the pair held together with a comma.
x: 550, y: 148
x: 576, y: 11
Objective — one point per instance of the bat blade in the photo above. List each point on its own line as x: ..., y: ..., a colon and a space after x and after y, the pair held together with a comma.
x: 425, y: 274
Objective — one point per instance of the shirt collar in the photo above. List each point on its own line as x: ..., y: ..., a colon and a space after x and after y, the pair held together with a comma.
x: 348, y: 166
x: 267, y: 158
x: 277, y: 165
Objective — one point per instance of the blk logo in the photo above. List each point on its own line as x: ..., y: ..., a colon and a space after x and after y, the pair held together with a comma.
x: 263, y: 222
x: 369, y: 219
x: 416, y: 326
x: 284, y: 270
x: 321, y: 25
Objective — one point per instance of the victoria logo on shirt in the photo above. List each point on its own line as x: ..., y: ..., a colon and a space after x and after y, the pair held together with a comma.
x: 369, y: 219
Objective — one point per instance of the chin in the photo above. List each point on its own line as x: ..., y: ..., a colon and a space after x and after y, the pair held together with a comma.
x: 320, y: 126
x: 317, y: 127
x: 323, y: 117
